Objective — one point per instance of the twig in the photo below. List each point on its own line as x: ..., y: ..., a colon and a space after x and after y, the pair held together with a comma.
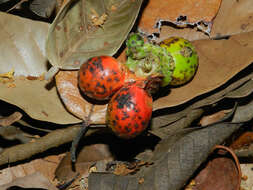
x: 53, y: 139
x: 84, y: 129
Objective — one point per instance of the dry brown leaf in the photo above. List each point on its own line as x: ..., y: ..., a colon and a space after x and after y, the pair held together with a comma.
x: 45, y: 166
x: 67, y: 86
x: 233, y: 17
x: 190, y: 11
x: 37, y: 101
x: 33, y: 181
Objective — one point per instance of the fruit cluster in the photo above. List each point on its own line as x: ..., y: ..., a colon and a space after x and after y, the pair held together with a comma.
x: 129, y: 85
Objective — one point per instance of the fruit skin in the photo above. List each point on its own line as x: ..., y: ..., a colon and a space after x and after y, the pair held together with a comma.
x: 100, y: 77
x: 135, y: 43
x: 146, y: 59
x: 129, y: 111
x: 185, y: 59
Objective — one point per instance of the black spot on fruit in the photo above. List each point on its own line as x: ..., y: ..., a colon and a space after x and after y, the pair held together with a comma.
x: 101, y: 88
x: 109, y: 79
x: 116, y: 79
x: 127, y: 129
x: 124, y: 100
x: 98, y: 63
x: 125, y: 115
x: 143, y: 123
x: 114, y: 72
x: 136, y: 126
x: 91, y: 69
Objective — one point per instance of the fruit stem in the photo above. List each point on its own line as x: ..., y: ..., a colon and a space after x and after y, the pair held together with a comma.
x: 83, y: 130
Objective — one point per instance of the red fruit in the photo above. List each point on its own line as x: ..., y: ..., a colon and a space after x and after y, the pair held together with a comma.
x: 100, y: 77
x: 129, y: 111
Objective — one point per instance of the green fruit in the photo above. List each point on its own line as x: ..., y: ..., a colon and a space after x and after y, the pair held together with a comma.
x: 146, y: 59
x: 185, y: 59
x: 134, y: 45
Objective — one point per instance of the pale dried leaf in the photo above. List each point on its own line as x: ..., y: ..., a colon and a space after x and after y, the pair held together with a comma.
x: 37, y: 101
x: 209, y: 119
x: 22, y: 46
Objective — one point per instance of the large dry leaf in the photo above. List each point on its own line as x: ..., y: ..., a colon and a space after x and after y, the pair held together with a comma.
x: 87, y: 28
x: 22, y: 46
x: 234, y: 17
x: 37, y: 100
x: 46, y: 166
x: 179, y: 12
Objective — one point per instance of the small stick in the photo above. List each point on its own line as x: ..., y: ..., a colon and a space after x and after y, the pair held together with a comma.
x: 83, y: 130
x: 17, y: 5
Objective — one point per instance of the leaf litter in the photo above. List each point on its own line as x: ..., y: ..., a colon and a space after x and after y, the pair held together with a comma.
x: 225, y: 58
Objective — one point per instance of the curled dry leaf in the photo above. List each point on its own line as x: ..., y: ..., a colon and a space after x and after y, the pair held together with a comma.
x: 6, y: 121
x: 244, y: 140
x: 178, y: 12
x: 221, y: 172
x: 67, y: 85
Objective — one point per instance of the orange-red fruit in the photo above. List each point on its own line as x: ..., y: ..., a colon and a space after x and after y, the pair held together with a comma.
x: 129, y: 111
x: 100, y: 77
